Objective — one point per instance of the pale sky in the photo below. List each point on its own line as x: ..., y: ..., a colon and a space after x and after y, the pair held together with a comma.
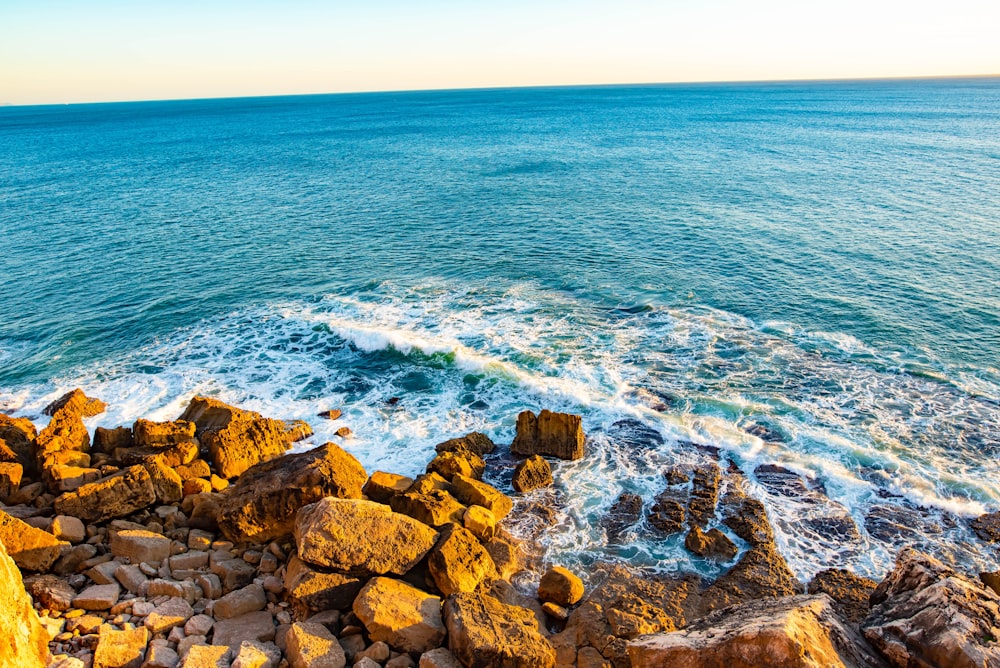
x: 79, y: 51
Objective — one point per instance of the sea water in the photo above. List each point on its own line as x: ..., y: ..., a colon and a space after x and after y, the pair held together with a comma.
x: 804, y: 274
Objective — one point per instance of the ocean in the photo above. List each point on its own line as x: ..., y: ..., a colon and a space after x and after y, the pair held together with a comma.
x: 804, y: 275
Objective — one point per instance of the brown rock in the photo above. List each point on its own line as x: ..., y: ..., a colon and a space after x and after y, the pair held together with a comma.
x: 172, y: 612
x: 206, y: 656
x: 10, y: 478
x: 115, y: 496
x: 552, y: 434
x: 296, y: 430
x: 17, y: 441
x: 311, y: 645
x: 851, y: 594
x: 64, y: 478
x: 713, y: 544
x: 109, y: 440
x: 560, y: 586
x: 476, y: 493
x: 439, y: 658
x: 167, y: 483
x: 23, y: 640
x: 343, y: 432
x: 506, y: 553
x: 65, y: 431
x: 704, y: 495
x: 925, y: 614
x: 171, y: 456
x: 750, y: 523
x: 52, y: 592
x: 240, y: 602
x: 76, y: 402
x: 208, y: 413
x: 623, y: 515
x: 794, y: 632
x: 262, y: 504
x: 435, y: 508
x: 332, y: 414
x: 31, y: 549
x: 243, y: 443
x: 532, y: 473
x: 362, y: 537
x: 448, y: 464
x: 459, y: 562
x: 481, y: 522
x: 991, y: 580
x: 667, y: 514
x: 148, y: 434
x: 760, y: 573
x: 120, y: 649
x: 196, y: 469
x: 987, y: 527
x: 252, y: 627
x: 140, y: 546
x: 484, y: 632
x: 408, y: 619
x: 383, y: 486
x: 476, y: 443
x: 313, y: 590
x: 97, y: 597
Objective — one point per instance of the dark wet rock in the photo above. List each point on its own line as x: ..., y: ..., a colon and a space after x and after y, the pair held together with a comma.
x: 749, y: 522
x: 622, y: 516
x: 704, y: 495
x: 925, y: 614
x: 760, y: 573
x: 987, y: 527
x: 667, y: 513
x: 551, y: 434
x: 764, y: 432
x: 850, y: 593
x: 332, y: 414
x: 676, y: 476
x: 991, y: 580
x: 532, y: 473
x: 781, y: 481
x: 898, y: 524
x: 712, y: 544
x: 634, y: 435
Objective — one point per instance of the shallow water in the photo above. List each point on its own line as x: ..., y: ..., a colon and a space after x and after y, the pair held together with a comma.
x: 797, y: 274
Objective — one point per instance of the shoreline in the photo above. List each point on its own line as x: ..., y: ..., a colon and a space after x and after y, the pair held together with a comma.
x: 378, y: 569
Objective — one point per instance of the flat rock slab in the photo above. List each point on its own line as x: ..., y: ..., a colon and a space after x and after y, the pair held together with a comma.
x: 120, y: 649
x: 239, y: 602
x: 483, y: 632
x: 97, y: 597
x: 172, y: 612
x: 140, y: 546
x: 207, y: 656
x: 31, y: 549
x: 252, y: 627
x: 311, y: 645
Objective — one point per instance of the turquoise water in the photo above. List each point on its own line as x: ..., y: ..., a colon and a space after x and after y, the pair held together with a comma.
x: 798, y: 274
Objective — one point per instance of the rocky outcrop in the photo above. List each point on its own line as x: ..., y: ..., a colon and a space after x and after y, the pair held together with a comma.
x: 551, y: 434
x: 622, y: 516
x: 23, y: 641
x: 406, y: 618
x: 987, y: 527
x: 149, y: 434
x: 17, y: 441
x: 760, y: 573
x: 115, y: 496
x: 795, y: 632
x: 459, y: 562
x: 76, y: 402
x: 749, y: 522
x: 360, y: 537
x: 925, y: 614
x: 31, y: 549
x: 712, y: 544
x: 476, y: 443
x: 262, y: 504
x: 483, y: 632
x: 532, y: 473
x: 851, y: 593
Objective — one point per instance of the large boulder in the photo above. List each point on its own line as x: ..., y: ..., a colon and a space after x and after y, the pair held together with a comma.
x: 262, y: 504
x: 483, y: 632
x: 459, y: 562
x: 533, y: 473
x: 794, y: 632
x: 360, y: 537
x: 76, y: 402
x: 115, y: 496
x: 17, y: 441
x: 560, y: 586
x: 149, y: 434
x: 925, y: 614
x: 476, y: 443
x: 435, y: 507
x: 311, y: 645
x: 477, y: 493
x: 23, y: 641
x: 312, y: 590
x: 382, y: 486
x: 551, y: 434
x: 31, y: 549
x: 406, y: 618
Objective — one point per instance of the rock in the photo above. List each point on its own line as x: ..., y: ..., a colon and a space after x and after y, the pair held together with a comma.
x: 233, y: 573
x: 109, y: 440
x: 925, y: 614
x: 484, y: 632
x: 73, y: 559
x: 243, y: 443
x: 987, y: 527
x: 448, y: 464
x: 97, y: 597
x: 207, y: 656
x: 67, y: 528
x: 76, y: 402
x: 712, y: 543
x: 793, y: 632
x: 476, y: 493
x: 171, y: 456
x: 10, y: 478
x: 140, y: 546
x: 316, y: 591
x: 296, y: 430
x: 310, y: 645
x: 552, y: 434
x: 378, y: 652
x: 167, y: 483
x: 360, y: 537
x: 750, y: 523
x: 481, y: 522
x: 382, y: 486
x: 251, y: 627
x: 622, y: 516
x: 52, y: 592
x: 556, y: 612
x: 65, y: 478
x: 991, y: 580
x: 17, y: 441
x: 161, y: 656
x: 147, y: 434
x: 532, y: 473
x: 239, y: 602
x: 760, y: 573
x: 667, y: 514
x: 704, y: 495
x: 115, y: 496
x: 560, y: 586
x: 257, y: 655
x: 506, y: 554
x: 343, y: 432
x: 31, y: 549
x: 459, y: 562
x: 120, y: 649
x: 199, y: 625
x: 262, y: 504
x: 439, y: 658
x: 197, y: 469
x: 23, y: 639
x: 332, y: 414
x: 202, y: 511
x: 476, y: 443
x: 208, y: 413
x: 851, y: 593
x: 172, y: 612
x: 435, y: 508
x: 394, y: 612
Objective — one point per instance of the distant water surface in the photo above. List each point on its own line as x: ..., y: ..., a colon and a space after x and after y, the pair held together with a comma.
x: 800, y: 274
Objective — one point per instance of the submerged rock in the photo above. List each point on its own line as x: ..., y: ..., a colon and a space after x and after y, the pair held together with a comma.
x: 622, y: 516
x: 551, y: 434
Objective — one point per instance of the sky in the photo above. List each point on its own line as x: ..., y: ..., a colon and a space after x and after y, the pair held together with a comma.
x: 56, y: 51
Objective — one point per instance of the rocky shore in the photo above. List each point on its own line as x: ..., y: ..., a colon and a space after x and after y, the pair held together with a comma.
x: 198, y: 543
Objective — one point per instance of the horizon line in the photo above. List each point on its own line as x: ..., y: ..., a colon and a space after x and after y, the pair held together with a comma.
x: 634, y: 84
